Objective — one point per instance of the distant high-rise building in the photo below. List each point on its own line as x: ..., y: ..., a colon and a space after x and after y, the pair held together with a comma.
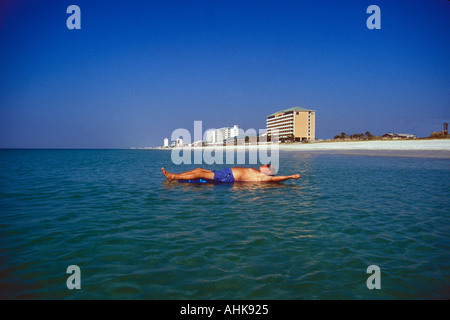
x: 296, y: 124
x: 217, y: 136
x: 166, y: 142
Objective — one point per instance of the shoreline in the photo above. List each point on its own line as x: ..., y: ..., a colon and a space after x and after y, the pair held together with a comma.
x: 439, y: 148
x: 411, y: 145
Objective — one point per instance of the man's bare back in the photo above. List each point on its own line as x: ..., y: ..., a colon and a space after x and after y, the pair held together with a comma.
x: 236, y: 174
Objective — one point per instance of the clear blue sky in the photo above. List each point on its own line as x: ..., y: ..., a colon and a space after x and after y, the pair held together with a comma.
x: 137, y: 70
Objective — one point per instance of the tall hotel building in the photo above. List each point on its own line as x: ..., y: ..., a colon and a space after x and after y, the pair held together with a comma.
x: 296, y: 124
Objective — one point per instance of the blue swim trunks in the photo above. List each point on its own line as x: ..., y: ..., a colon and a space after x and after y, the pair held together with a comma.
x: 225, y: 175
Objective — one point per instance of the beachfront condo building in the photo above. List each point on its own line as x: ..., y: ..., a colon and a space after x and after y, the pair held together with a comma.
x: 293, y: 124
x: 217, y: 136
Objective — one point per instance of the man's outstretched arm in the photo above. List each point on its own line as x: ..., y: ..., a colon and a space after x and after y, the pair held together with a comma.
x: 281, y: 178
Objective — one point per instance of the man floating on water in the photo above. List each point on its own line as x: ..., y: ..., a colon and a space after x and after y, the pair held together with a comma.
x: 229, y: 175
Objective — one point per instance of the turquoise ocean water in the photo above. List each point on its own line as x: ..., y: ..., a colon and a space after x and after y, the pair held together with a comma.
x: 136, y: 236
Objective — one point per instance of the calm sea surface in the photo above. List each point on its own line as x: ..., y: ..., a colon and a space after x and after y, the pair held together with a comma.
x: 136, y: 236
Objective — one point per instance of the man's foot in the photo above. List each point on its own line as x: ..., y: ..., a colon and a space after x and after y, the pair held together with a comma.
x: 166, y: 174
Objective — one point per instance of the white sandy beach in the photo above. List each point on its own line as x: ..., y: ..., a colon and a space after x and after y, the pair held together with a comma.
x: 409, y: 145
x: 420, y: 148
x: 401, y: 145
x: 399, y: 148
